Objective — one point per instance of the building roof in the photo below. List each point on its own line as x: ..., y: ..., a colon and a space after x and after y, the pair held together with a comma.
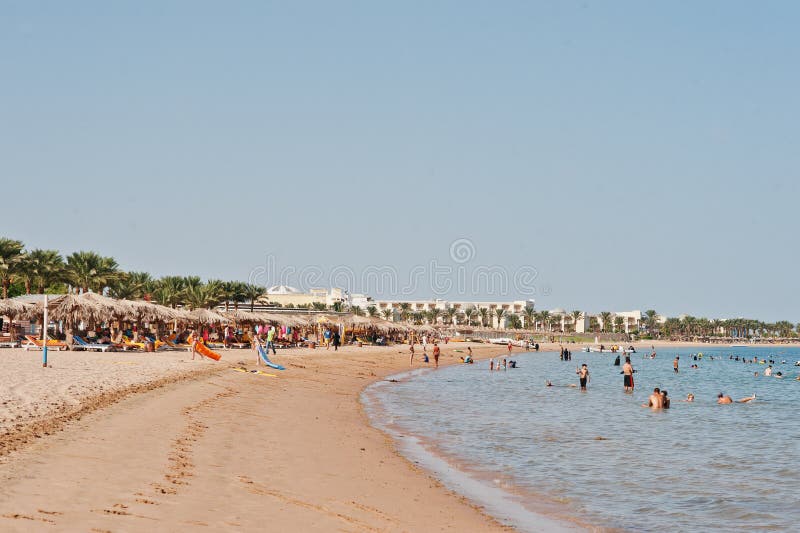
x: 283, y: 289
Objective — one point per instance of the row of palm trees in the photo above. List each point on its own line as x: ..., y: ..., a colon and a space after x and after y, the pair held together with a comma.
x: 46, y: 270
x: 38, y: 270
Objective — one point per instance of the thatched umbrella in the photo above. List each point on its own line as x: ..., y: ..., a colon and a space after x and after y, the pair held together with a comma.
x: 14, y: 308
x: 89, y: 307
x: 206, y: 316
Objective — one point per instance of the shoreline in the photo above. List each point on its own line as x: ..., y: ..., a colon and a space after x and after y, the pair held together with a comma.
x: 299, y: 440
x: 496, y: 499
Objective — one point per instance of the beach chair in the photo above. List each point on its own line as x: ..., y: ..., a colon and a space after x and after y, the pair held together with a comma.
x: 175, y: 346
x: 7, y: 342
x: 83, y: 344
x: 32, y: 343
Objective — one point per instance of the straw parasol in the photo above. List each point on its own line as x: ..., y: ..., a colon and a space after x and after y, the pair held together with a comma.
x: 151, y: 312
x: 14, y: 308
x: 206, y: 316
x: 90, y: 306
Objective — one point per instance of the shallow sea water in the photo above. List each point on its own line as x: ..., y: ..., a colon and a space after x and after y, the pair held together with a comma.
x: 599, y: 456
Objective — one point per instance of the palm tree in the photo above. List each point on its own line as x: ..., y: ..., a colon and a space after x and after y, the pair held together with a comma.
x: 545, y: 318
x: 605, y: 318
x: 470, y: 312
x: 11, y: 257
x: 49, y: 267
x: 501, y: 314
x: 356, y: 310
x: 170, y: 290
x: 252, y: 293
x: 650, y: 320
x: 433, y: 315
x: 318, y: 306
x: 576, y: 315
x: 405, y: 311
x: 619, y: 323
x: 417, y: 317
x: 530, y: 317
x: 484, y: 313
x: 234, y: 292
x: 514, y: 322
x: 90, y: 271
x: 450, y: 315
x: 387, y: 313
x: 372, y: 311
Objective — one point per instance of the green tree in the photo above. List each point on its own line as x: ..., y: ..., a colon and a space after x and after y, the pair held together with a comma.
x: 530, y: 317
x: 501, y: 314
x: 605, y: 318
x: 252, y: 293
x: 405, y: 311
x: 12, y: 254
x: 576, y: 315
x: 372, y: 311
x: 484, y: 313
x: 90, y: 271
x: 651, y: 318
x: 387, y: 313
x: 170, y: 290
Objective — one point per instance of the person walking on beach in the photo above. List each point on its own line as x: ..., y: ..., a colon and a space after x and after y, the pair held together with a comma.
x: 271, y: 340
x: 411, y: 349
x: 509, y: 346
x: 256, y: 344
x: 627, y: 375
x: 195, y: 340
x: 436, y: 354
x: 327, y: 336
x: 583, y: 375
x: 675, y: 364
x: 337, y: 340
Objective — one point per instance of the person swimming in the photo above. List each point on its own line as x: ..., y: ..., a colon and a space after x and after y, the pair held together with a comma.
x: 723, y: 399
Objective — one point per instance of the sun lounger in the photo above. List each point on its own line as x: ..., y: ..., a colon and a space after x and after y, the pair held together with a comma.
x: 83, y: 344
x: 174, y: 346
x: 9, y: 344
x: 32, y: 343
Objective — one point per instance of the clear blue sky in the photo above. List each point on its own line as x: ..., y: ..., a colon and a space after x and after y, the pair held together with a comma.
x: 637, y: 154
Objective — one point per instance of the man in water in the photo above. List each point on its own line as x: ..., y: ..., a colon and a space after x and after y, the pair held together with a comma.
x: 627, y: 375
x: 656, y: 401
x: 768, y: 371
x: 664, y: 399
x: 723, y: 399
x: 583, y: 375
x: 675, y: 364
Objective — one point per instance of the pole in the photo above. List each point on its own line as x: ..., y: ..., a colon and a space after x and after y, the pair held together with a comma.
x: 44, y: 335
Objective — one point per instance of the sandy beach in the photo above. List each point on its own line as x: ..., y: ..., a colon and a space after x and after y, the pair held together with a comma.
x: 130, y: 441
x: 224, y: 450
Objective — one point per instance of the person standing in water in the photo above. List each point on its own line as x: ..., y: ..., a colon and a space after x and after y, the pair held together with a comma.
x: 412, y: 354
x: 627, y: 375
x: 436, y: 354
x: 583, y: 376
x: 675, y: 364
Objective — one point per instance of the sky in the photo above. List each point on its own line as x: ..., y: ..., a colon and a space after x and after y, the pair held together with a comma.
x: 590, y: 155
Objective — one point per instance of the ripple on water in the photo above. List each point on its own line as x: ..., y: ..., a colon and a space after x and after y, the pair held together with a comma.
x: 698, y: 466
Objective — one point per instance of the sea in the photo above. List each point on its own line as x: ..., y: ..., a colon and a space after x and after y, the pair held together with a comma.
x: 554, y: 458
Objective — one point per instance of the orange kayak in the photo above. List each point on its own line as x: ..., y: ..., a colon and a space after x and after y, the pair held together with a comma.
x: 202, y: 349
